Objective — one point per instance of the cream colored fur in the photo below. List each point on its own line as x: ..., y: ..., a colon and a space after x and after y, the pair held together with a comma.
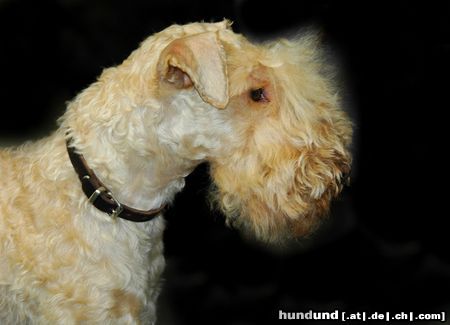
x: 182, y: 98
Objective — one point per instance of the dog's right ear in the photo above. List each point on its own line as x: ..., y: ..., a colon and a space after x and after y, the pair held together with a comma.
x: 197, y: 60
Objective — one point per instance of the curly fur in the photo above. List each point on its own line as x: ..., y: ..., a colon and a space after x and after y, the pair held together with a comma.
x: 181, y: 99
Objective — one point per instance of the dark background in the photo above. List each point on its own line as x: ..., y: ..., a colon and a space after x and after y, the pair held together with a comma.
x: 386, y: 245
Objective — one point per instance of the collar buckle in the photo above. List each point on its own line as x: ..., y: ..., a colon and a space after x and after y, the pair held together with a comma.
x: 119, y: 207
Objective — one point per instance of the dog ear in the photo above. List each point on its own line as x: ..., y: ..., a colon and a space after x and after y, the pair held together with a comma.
x: 199, y: 60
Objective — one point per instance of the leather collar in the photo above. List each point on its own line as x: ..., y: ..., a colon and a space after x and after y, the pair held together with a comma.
x: 100, y: 196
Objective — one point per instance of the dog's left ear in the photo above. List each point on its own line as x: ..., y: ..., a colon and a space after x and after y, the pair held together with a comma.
x: 199, y: 60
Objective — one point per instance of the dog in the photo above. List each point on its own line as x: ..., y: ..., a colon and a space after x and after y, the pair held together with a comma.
x: 81, y: 211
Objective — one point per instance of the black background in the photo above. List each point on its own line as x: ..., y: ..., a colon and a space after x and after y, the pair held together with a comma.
x: 386, y: 245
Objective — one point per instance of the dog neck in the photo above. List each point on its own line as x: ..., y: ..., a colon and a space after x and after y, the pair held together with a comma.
x: 139, y: 182
x: 119, y: 142
x: 100, y: 196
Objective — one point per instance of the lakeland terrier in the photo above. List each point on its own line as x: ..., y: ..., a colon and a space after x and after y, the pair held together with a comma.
x: 81, y: 220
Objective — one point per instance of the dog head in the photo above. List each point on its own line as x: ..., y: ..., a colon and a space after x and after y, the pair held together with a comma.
x: 272, y: 128
x: 265, y: 116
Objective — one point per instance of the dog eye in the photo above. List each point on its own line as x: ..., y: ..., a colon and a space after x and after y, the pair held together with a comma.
x: 258, y: 95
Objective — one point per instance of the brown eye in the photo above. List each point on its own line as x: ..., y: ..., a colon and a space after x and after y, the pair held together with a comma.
x: 258, y: 95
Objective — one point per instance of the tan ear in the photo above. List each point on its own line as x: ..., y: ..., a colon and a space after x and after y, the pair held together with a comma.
x: 200, y: 60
